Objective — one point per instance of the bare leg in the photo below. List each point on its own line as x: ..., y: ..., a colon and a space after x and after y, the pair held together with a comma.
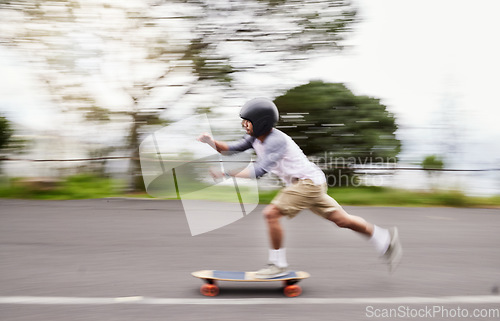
x: 273, y: 215
x: 355, y: 223
x: 386, y: 243
x: 278, y: 264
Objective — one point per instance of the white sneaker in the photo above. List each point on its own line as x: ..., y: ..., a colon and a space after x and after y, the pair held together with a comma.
x: 271, y: 271
x: 395, y: 251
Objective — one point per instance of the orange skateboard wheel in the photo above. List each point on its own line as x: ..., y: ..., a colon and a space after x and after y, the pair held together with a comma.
x: 292, y: 290
x: 209, y: 290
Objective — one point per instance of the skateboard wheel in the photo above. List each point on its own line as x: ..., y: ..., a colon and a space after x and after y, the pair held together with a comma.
x: 209, y: 289
x: 292, y: 290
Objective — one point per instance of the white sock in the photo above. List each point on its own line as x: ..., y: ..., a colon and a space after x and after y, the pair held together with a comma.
x: 381, y: 238
x: 278, y: 257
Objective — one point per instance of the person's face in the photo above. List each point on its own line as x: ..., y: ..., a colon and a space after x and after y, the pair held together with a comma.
x: 248, y: 126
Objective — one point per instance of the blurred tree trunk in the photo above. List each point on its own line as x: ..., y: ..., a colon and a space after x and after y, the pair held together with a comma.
x: 136, y: 181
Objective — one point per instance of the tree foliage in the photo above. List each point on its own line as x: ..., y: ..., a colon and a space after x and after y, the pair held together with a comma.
x: 5, y: 132
x: 327, y: 120
x: 433, y: 162
x: 152, y: 55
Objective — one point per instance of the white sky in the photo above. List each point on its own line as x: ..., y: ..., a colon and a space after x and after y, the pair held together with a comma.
x: 413, y: 54
x: 20, y: 97
x: 416, y: 54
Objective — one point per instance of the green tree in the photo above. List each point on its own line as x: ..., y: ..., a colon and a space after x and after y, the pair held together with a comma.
x: 340, y: 129
x: 432, y: 164
x: 5, y: 132
x: 5, y: 136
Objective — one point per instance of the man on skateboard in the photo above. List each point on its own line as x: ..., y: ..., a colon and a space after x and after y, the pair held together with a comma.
x: 305, y: 187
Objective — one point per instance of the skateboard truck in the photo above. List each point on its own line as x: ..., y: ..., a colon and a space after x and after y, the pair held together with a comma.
x: 210, y: 288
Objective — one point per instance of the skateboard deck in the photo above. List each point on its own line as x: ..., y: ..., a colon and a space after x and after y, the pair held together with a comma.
x: 210, y: 288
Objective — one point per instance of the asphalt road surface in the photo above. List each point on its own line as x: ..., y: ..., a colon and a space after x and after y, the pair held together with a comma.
x: 121, y: 259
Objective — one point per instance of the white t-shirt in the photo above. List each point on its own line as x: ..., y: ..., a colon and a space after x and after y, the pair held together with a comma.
x: 280, y: 155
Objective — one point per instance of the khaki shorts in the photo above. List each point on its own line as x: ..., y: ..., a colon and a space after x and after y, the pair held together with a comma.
x: 304, y: 194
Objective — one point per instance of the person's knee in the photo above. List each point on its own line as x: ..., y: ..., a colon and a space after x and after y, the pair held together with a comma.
x: 271, y: 213
x: 343, y: 222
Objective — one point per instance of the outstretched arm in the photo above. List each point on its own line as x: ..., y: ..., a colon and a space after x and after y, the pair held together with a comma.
x: 217, y: 145
x: 241, y: 145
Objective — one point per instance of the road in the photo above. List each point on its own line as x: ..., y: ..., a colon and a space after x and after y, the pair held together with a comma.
x: 123, y: 259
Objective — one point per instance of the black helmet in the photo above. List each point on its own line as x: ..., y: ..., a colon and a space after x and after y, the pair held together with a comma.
x: 262, y: 113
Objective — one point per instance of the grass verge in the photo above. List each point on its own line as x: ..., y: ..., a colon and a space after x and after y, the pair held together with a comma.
x: 86, y: 186
x: 82, y: 186
x: 384, y: 196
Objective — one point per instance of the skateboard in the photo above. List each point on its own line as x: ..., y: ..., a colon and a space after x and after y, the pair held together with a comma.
x: 210, y: 288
